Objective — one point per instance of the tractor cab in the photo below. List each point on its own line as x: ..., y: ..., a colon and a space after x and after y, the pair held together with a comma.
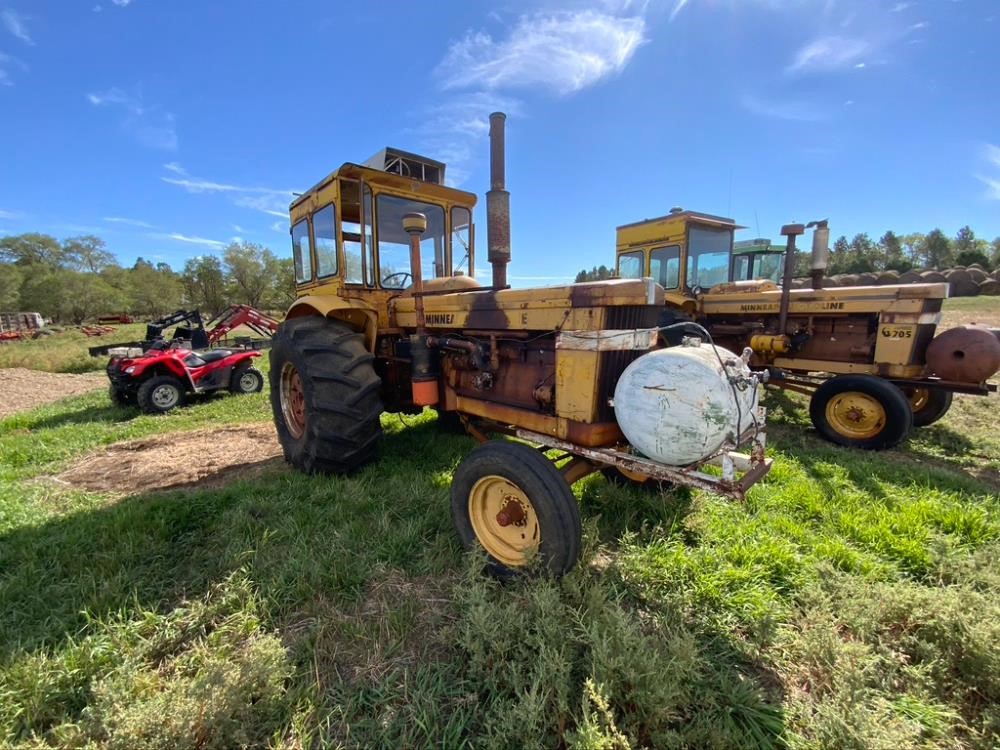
x: 757, y: 259
x: 348, y: 238
x: 684, y: 252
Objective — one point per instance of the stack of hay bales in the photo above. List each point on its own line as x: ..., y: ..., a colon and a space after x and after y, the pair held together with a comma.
x: 962, y: 282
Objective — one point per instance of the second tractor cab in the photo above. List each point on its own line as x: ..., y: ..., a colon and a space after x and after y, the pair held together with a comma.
x: 871, y: 358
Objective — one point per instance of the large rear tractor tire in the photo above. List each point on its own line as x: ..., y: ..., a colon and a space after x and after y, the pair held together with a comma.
x: 513, y: 501
x: 160, y: 394
x: 861, y: 411
x: 928, y: 404
x: 324, y: 396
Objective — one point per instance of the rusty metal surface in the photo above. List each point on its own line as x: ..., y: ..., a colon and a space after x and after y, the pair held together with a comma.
x: 967, y: 354
x: 735, y: 488
x: 498, y: 204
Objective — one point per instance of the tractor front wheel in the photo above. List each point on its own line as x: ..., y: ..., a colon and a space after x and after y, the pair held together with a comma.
x: 861, y: 411
x: 928, y: 405
x: 513, y: 501
x: 324, y: 396
x: 160, y: 394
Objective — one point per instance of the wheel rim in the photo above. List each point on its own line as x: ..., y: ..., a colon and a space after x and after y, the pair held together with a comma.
x: 293, y: 400
x: 856, y: 415
x: 165, y: 396
x: 504, y: 520
x: 919, y: 397
x: 248, y: 381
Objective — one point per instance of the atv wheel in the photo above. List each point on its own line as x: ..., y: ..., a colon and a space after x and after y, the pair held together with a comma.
x: 246, y: 379
x: 928, y: 405
x: 514, y: 502
x: 160, y: 394
x: 120, y: 397
x: 324, y: 396
x: 861, y: 411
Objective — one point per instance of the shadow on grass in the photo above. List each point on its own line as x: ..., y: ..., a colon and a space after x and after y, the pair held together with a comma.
x: 88, y: 415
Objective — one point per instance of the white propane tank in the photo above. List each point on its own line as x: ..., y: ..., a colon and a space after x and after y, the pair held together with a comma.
x: 680, y: 405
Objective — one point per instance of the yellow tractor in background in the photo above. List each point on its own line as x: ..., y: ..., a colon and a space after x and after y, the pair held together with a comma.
x: 870, y: 358
x: 389, y: 317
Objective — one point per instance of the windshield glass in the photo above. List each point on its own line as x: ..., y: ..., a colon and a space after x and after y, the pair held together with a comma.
x: 394, y: 243
x: 630, y: 265
x: 708, y: 256
x: 665, y: 265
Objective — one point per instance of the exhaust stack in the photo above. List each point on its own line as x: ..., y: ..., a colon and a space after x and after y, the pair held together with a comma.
x: 498, y: 205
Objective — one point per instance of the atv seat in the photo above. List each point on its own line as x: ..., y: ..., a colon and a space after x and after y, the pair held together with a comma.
x: 197, y: 359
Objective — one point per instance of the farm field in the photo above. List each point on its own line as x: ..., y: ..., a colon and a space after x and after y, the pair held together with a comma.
x: 170, y: 582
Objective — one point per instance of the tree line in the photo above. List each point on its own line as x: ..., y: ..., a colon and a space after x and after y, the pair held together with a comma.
x: 78, y: 279
x: 891, y: 252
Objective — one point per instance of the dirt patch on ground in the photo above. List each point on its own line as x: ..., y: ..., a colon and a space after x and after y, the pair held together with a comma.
x: 22, y: 389
x: 202, y: 459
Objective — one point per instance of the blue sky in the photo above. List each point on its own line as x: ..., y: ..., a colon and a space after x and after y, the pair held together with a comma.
x: 169, y: 128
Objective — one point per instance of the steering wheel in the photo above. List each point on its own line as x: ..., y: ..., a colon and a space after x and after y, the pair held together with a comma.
x: 402, y: 285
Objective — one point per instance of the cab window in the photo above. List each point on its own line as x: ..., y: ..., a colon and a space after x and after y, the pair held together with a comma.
x: 630, y: 265
x: 742, y: 268
x: 461, y: 241
x: 394, y: 243
x: 301, y: 256
x: 326, y: 243
x: 709, y: 249
x: 665, y: 266
x: 356, y: 232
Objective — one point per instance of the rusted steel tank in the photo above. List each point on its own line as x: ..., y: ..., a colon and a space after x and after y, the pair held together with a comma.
x: 682, y: 404
x: 965, y: 354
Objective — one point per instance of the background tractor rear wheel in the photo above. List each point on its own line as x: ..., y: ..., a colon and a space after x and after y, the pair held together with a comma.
x: 160, y: 394
x: 861, y: 411
x: 513, y: 501
x: 324, y: 396
x: 928, y: 404
x: 246, y: 379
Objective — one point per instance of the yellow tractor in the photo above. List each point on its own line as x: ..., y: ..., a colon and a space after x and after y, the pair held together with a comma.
x: 389, y: 317
x: 870, y: 358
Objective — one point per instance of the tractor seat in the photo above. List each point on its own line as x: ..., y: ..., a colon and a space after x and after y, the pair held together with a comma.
x: 197, y: 359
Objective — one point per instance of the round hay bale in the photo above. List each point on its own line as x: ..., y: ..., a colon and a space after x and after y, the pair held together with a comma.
x: 996, y: 274
x: 932, y: 277
x: 977, y: 266
x: 798, y: 283
x: 977, y: 274
x: 888, y: 277
x: 989, y: 287
x: 831, y: 282
x: 954, y: 268
x: 910, y: 277
x: 848, y: 279
x: 867, y: 279
x: 963, y: 288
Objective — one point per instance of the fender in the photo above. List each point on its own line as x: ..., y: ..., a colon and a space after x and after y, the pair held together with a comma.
x: 355, y: 313
x: 168, y: 363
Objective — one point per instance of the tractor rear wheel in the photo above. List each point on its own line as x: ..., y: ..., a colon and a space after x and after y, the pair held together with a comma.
x: 928, y: 405
x: 861, y: 411
x: 324, y: 396
x: 513, y: 501
x: 160, y: 394
x: 246, y: 379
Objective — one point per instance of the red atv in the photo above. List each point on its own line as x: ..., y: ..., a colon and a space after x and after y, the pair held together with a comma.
x: 160, y: 379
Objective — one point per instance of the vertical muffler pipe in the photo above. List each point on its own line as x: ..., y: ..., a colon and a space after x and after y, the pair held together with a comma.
x: 820, y: 251
x: 423, y: 369
x: 498, y: 205
x: 791, y: 231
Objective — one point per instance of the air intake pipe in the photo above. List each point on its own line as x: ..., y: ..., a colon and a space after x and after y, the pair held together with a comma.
x: 498, y: 205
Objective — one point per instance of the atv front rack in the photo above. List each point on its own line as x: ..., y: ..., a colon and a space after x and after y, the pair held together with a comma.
x: 740, y: 471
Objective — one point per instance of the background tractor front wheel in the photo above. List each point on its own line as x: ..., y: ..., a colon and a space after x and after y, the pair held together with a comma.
x: 324, y: 396
x: 928, y: 405
x: 513, y: 501
x: 861, y: 411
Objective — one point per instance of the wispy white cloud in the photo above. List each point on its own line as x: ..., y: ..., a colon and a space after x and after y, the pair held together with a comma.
x: 269, y: 201
x: 900, y: 7
x: 14, y: 22
x: 678, y: 7
x: 122, y: 3
x: 148, y: 125
x: 10, y: 215
x: 178, y: 237
x: 6, y: 63
x: 280, y: 226
x: 239, y: 229
x: 175, y: 168
x: 991, y: 155
x: 562, y: 52
x: 829, y: 53
x: 128, y: 222
x: 788, y: 109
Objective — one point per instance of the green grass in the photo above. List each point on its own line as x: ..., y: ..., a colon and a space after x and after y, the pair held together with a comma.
x: 65, y: 350
x: 853, y: 601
